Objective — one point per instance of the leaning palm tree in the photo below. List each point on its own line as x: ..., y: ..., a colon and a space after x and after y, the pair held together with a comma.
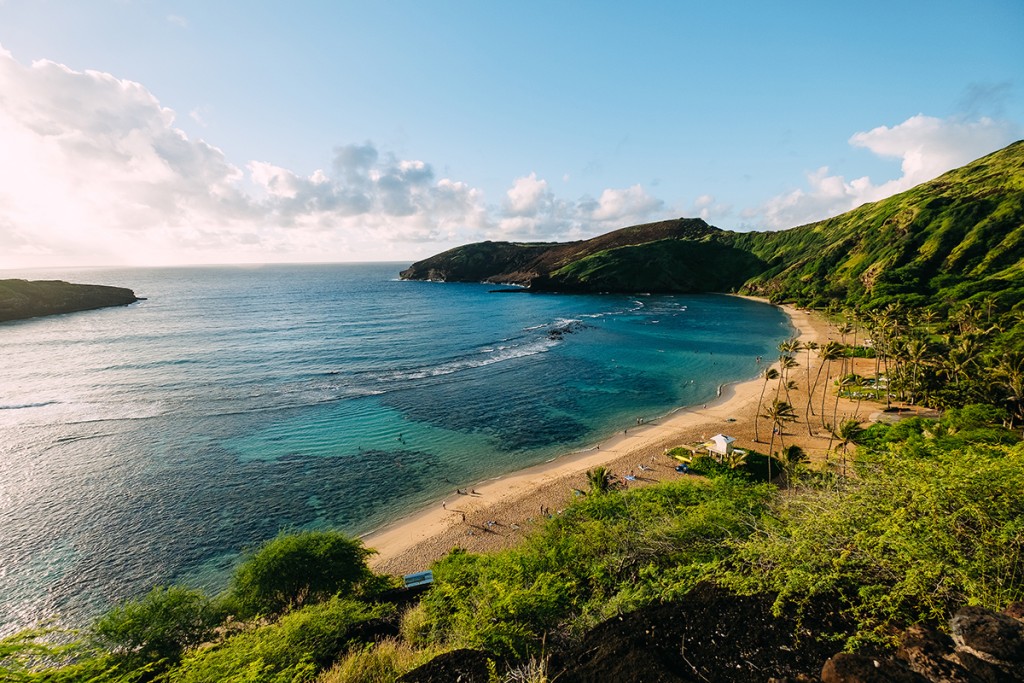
x: 828, y: 353
x: 842, y: 384
x: 769, y: 375
x: 809, y: 346
x: 779, y: 413
x: 786, y: 363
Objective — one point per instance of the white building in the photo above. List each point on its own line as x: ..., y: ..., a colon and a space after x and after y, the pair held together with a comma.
x: 720, y: 445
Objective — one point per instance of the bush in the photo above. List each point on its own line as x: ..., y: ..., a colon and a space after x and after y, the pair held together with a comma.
x: 292, y: 650
x: 604, y: 555
x: 298, y: 569
x: 158, y: 627
x: 381, y: 662
x: 920, y: 533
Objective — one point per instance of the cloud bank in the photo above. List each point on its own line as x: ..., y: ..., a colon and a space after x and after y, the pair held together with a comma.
x: 95, y: 172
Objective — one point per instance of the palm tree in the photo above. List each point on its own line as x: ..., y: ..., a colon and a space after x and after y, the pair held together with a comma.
x: 848, y: 433
x: 845, y: 329
x: 779, y: 413
x: 736, y: 458
x: 841, y: 383
x: 786, y: 363
x: 600, y: 480
x: 917, y: 352
x: 769, y: 374
x: 1009, y: 374
x: 809, y: 346
x: 828, y: 353
x: 792, y: 458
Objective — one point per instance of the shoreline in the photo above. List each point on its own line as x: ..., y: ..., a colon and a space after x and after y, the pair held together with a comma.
x: 500, y: 510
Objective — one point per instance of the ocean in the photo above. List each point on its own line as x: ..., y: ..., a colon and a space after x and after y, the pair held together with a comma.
x: 151, y: 444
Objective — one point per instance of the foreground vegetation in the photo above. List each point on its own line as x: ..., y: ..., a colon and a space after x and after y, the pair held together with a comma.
x: 932, y: 520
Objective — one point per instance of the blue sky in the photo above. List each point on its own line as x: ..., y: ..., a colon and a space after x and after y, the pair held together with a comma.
x: 138, y: 133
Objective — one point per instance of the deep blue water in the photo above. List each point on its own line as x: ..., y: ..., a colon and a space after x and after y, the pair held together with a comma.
x: 150, y: 444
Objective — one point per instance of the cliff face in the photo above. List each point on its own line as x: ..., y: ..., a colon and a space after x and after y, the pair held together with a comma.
x: 21, y: 299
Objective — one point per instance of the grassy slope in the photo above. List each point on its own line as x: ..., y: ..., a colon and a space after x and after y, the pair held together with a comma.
x: 958, y: 236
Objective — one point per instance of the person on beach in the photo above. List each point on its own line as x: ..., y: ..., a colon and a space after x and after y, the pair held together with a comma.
x: 444, y: 504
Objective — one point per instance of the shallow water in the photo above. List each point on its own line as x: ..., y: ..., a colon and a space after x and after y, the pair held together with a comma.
x: 150, y: 444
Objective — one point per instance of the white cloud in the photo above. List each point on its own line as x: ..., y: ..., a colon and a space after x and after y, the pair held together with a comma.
x: 95, y: 171
x: 626, y: 207
x: 527, y: 196
x: 927, y: 147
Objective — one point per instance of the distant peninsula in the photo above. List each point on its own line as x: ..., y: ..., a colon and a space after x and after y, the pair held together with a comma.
x: 20, y: 299
x: 959, y: 237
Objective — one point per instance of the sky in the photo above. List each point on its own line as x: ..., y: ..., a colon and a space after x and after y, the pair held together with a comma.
x: 165, y: 132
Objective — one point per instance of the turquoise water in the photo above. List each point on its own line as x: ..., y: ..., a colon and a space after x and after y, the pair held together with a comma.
x: 149, y: 444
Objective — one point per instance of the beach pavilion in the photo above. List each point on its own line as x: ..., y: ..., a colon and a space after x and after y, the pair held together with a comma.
x: 720, y: 445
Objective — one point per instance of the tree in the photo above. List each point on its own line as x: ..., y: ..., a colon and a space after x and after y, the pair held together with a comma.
x: 779, y: 412
x: 842, y: 384
x: 793, y: 457
x: 918, y: 354
x: 158, y: 627
x: 1009, y: 374
x: 809, y: 346
x: 600, y: 480
x: 298, y: 569
x: 848, y: 433
x: 769, y: 375
x: 831, y: 351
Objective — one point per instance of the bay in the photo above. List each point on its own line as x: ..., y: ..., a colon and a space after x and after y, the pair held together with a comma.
x: 149, y: 445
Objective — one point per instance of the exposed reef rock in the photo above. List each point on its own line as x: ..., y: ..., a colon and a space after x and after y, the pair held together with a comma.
x: 20, y: 299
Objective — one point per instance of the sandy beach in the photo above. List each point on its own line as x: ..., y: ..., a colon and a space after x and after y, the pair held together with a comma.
x: 496, y: 514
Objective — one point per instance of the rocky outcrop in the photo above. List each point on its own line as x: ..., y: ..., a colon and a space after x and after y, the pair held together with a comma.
x: 21, y: 299
x: 984, y: 647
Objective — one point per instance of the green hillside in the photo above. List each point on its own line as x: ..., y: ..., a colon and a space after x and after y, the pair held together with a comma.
x: 957, y: 238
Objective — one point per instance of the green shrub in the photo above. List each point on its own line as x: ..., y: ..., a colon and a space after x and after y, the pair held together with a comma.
x: 294, y: 649
x: 603, y: 555
x: 923, y: 531
x: 157, y: 627
x: 381, y: 662
x: 298, y: 569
